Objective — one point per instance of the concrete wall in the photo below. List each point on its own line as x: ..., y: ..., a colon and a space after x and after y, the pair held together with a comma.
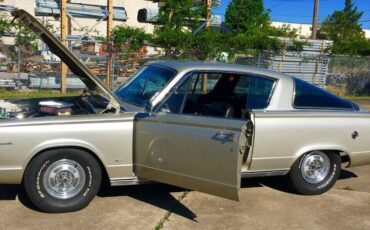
x: 304, y: 30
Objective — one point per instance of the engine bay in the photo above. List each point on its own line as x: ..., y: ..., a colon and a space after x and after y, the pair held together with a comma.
x: 61, y: 106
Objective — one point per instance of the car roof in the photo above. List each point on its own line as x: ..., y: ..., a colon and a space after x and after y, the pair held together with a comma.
x: 181, y: 66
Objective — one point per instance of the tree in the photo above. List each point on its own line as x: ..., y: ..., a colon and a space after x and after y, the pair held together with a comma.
x: 247, y: 16
x: 344, y: 29
x: 5, y: 25
x: 249, y: 28
x: 132, y: 38
x: 24, y: 37
x: 283, y: 31
x: 176, y: 22
x: 208, y: 43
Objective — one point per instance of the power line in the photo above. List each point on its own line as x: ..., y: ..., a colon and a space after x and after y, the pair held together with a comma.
x: 295, y: 1
x: 282, y: 2
x: 276, y: 5
x: 295, y: 16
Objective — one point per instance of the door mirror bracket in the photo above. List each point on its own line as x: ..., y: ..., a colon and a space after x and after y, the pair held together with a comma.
x: 148, y: 107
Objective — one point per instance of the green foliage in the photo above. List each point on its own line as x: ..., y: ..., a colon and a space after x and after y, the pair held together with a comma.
x: 176, y: 22
x: 206, y: 44
x: 132, y: 38
x: 247, y: 16
x: 344, y: 29
x: 5, y: 25
x: 283, y: 31
x: 23, y: 36
x: 249, y: 28
x: 15, y: 94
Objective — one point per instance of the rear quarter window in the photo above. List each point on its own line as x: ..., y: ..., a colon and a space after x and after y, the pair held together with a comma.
x: 308, y: 96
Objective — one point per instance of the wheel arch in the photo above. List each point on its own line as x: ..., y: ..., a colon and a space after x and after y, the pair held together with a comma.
x: 105, y: 175
x: 345, y: 156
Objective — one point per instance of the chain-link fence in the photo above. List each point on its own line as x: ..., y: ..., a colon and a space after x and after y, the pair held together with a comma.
x: 29, y: 69
x: 349, y: 76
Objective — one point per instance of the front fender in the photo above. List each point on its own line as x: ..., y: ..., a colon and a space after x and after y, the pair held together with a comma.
x: 63, y: 143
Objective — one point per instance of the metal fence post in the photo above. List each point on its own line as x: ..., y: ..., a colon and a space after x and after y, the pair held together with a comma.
x: 19, y: 63
x: 63, y: 38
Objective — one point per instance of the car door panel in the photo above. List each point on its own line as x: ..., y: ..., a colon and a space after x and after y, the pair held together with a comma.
x: 194, y: 152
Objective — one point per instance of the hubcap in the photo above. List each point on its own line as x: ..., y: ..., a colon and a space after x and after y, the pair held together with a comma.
x: 315, y: 167
x: 64, y: 179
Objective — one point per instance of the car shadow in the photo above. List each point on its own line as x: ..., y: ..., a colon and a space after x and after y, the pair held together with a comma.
x: 11, y: 192
x: 159, y: 195
x: 345, y: 174
x: 156, y: 194
x: 280, y: 183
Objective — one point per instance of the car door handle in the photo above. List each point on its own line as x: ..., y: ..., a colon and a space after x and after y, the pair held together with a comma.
x: 224, y: 137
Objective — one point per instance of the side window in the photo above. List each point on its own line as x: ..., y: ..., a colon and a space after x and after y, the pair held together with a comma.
x: 310, y: 96
x: 259, y: 92
x: 203, y: 83
x: 196, y: 89
x: 175, y: 101
x: 219, y: 95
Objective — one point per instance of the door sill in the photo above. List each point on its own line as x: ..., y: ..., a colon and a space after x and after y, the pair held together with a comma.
x: 129, y: 181
x: 247, y: 174
x: 252, y: 174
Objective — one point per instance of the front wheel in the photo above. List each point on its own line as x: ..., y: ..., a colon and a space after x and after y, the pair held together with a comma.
x: 315, y: 173
x: 62, y: 180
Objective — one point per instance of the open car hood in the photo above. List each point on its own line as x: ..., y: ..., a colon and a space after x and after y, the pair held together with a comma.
x: 75, y: 65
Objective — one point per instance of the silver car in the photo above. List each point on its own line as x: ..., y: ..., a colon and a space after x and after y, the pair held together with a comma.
x: 202, y: 126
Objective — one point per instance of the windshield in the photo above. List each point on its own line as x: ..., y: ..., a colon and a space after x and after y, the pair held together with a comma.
x: 146, y: 83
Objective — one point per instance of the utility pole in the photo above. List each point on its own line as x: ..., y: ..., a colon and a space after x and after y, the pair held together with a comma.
x: 208, y: 4
x: 109, y: 45
x: 63, y: 37
x: 209, y: 12
x: 315, y: 19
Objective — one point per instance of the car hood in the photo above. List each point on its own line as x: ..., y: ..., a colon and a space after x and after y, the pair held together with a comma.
x: 75, y: 65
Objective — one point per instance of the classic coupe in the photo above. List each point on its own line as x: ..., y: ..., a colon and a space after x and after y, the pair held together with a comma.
x: 201, y: 126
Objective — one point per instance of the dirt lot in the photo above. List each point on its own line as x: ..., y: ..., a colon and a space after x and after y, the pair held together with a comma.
x: 265, y: 203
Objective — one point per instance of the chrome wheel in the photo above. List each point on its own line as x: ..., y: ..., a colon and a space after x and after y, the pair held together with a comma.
x: 315, y: 167
x: 64, y: 179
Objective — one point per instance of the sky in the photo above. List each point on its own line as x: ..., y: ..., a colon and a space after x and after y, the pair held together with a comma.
x: 301, y: 11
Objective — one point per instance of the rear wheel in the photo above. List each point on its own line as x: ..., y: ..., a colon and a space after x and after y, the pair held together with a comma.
x: 62, y: 180
x: 315, y: 173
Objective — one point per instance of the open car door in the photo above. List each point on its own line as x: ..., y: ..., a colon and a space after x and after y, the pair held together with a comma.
x: 194, y: 152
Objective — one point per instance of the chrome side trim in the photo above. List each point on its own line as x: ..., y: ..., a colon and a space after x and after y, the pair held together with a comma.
x: 248, y: 174
x: 251, y: 174
x: 129, y: 181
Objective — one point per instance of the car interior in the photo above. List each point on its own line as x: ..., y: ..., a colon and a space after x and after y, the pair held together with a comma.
x: 220, y: 95
x: 220, y: 100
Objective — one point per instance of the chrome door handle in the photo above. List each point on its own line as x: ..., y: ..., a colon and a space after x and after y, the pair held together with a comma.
x: 224, y: 137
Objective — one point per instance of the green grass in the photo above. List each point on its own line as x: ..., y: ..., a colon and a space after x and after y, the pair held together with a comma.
x: 14, y: 94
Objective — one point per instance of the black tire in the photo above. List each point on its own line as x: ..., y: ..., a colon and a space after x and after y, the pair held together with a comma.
x: 297, y: 181
x: 39, y: 193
